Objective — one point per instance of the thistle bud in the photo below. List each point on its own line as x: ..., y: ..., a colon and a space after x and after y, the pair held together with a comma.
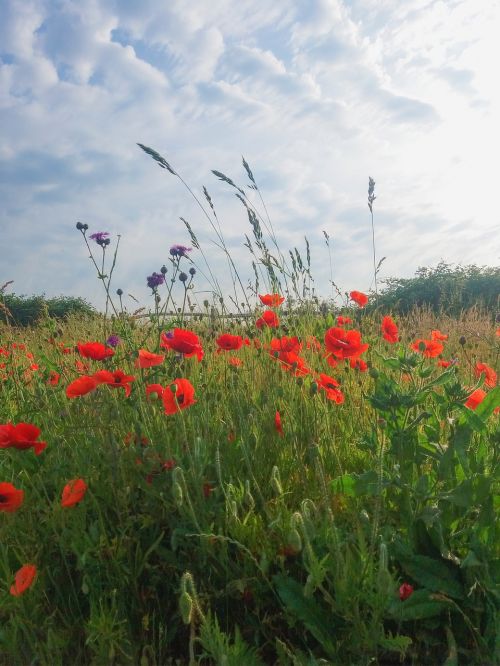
x: 119, y: 292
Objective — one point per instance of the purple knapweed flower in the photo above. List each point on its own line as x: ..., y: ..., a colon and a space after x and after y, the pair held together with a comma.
x: 113, y: 341
x: 101, y: 238
x: 155, y: 280
x: 179, y: 250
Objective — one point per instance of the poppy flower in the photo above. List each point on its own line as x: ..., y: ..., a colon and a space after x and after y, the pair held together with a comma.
x: 94, y: 350
x: 277, y: 423
x: 490, y: 376
x: 81, y: 386
x: 82, y: 368
x: 268, y: 319
x: 181, y: 398
x: 116, y: 379
x: 359, y: 298
x: 390, y: 330
x: 11, y: 498
x: 272, y: 300
x: 475, y: 399
x: 405, y: 591
x: 437, y: 335
x: 344, y: 344
x: 154, y: 389
x: 147, y: 359
x: 285, y: 344
x: 73, y: 492
x: 292, y: 362
x: 331, y: 388
x: 429, y: 348
x: 313, y: 343
x: 444, y: 364
x: 21, y: 436
x: 54, y: 378
x: 228, y: 342
x: 358, y: 364
x: 23, y: 580
x: 343, y: 321
x: 235, y: 361
x: 182, y: 341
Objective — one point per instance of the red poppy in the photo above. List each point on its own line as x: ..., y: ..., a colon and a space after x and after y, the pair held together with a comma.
x: 154, y: 389
x: 181, y: 398
x: 344, y: 344
x: 54, y: 378
x: 235, y: 361
x: 429, y: 348
x: 437, y: 335
x: 390, y: 330
x: 269, y: 319
x: 82, y: 368
x: 475, y: 398
x: 73, y: 492
x: 81, y: 386
x: 23, y: 579
x: 182, y: 341
x: 285, y: 344
x: 292, y: 362
x: 272, y: 300
x: 359, y: 298
x: 21, y: 436
x: 405, y: 591
x: 277, y: 423
x: 342, y: 321
x: 313, y: 343
x: 207, y: 489
x: 94, y: 350
x: 444, y: 364
x: 358, y: 364
x: 11, y: 498
x: 497, y: 332
x: 490, y: 376
x: 147, y: 359
x: 115, y: 379
x: 331, y: 388
x: 228, y: 342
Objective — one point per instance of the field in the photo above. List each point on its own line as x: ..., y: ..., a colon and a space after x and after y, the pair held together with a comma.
x: 295, y: 506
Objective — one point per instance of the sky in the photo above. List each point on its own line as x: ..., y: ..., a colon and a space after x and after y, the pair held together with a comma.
x: 317, y: 95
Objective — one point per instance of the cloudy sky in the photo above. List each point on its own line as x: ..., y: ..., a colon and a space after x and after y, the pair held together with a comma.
x: 317, y: 95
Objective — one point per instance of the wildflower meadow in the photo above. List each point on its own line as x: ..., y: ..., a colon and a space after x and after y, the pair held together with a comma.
x: 257, y: 478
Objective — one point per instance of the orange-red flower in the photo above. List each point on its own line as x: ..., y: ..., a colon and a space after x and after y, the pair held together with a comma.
x: 115, y: 379
x: 228, y: 342
x: 81, y: 386
x: 390, y: 330
x: 359, y: 298
x: 475, y: 398
x: 277, y: 423
x: 285, y: 344
x: 182, y: 341
x: 21, y: 436
x: 437, y: 335
x: 94, y: 350
x: 154, y: 389
x: 180, y: 398
x: 269, y: 319
x: 23, y: 580
x: 358, y: 364
x: 147, y: 359
x: 11, y: 498
x: 429, y: 348
x: 444, y: 364
x: 342, y: 321
x: 292, y: 362
x: 272, y: 300
x: 490, y: 376
x: 331, y: 388
x: 344, y: 344
x: 54, y: 378
x: 235, y: 361
x: 73, y: 492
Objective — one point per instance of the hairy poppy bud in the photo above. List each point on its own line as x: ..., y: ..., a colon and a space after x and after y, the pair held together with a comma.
x: 462, y: 340
x: 314, y: 388
x: 177, y: 493
x: 294, y: 541
x: 374, y: 373
x: 186, y: 607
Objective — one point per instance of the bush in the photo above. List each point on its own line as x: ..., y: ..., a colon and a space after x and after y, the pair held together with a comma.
x: 27, y: 310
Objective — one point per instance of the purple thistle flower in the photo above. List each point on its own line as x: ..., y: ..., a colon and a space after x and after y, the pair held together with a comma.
x: 101, y: 238
x: 113, y: 341
x: 155, y: 280
x: 179, y: 250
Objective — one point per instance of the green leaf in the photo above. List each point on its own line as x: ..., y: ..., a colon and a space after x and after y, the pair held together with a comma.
x: 430, y: 572
x: 489, y: 404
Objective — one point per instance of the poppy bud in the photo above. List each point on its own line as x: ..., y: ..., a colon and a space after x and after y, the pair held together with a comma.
x: 374, y: 373
x: 177, y: 493
x: 300, y: 381
x: 186, y: 607
x: 462, y: 341
x: 276, y: 481
x: 294, y: 540
x: 314, y: 388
